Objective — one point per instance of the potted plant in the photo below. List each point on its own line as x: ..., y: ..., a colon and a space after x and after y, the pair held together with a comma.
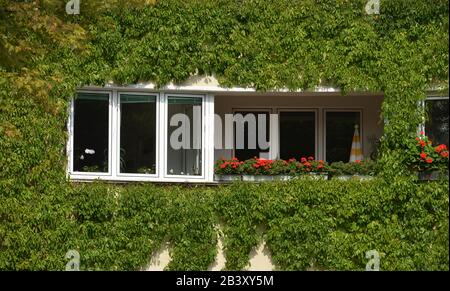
x: 359, y: 169
x: 428, y: 161
x: 228, y: 170
x: 258, y: 170
x: 147, y: 170
x: 312, y: 169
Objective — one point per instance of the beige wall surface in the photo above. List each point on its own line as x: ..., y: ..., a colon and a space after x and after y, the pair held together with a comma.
x: 369, y: 104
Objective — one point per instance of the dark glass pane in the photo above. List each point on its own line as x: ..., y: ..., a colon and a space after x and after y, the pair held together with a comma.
x: 137, y: 134
x: 297, y: 135
x: 436, y: 126
x: 246, y: 152
x: 340, y: 127
x: 184, y: 152
x: 91, y: 120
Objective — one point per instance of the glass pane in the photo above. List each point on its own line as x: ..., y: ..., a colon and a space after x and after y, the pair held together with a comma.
x: 340, y: 127
x: 91, y: 120
x: 436, y: 126
x: 246, y: 151
x: 137, y: 134
x: 297, y: 135
x: 184, y: 153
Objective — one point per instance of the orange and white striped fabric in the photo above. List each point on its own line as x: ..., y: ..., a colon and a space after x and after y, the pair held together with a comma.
x: 356, y: 151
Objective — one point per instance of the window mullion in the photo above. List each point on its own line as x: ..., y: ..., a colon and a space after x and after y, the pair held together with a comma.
x: 114, y: 130
x: 162, y: 134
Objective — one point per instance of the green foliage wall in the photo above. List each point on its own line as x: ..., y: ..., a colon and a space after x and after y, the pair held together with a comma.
x: 45, y: 54
x: 324, y: 225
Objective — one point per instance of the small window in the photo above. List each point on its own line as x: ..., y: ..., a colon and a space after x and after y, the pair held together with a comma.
x: 246, y: 148
x: 436, y: 125
x: 340, y: 128
x: 297, y: 134
x: 91, y: 132
x: 137, y: 134
x: 184, y: 139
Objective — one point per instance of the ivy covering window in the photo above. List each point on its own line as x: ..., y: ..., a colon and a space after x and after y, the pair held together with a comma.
x: 91, y: 132
x: 184, y: 139
x: 340, y: 128
x: 137, y: 134
x: 436, y: 126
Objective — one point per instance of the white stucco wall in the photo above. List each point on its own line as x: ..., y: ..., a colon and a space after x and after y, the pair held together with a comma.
x: 259, y: 258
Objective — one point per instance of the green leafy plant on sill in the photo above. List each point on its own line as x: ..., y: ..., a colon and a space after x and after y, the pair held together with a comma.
x: 147, y: 170
x: 363, y: 167
x: 94, y: 168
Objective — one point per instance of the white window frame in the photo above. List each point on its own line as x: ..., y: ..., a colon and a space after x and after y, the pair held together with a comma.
x: 361, y: 126
x: 165, y: 138
x: 422, y: 104
x: 118, y: 126
x: 113, y: 173
x: 70, y: 141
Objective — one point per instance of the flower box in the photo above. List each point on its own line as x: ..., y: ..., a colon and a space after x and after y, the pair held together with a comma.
x: 355, y: 177
x: 283, y: 177
x: 431, y: 175
x: 313, y: 176
x: 227, y: 178
x: 257, y: 178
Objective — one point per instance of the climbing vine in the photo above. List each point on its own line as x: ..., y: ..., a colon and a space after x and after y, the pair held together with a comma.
x: 45, y: 54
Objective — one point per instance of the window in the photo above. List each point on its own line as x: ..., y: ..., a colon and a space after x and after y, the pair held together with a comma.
x: 132, y: 135
x: 184, y: 139
x: 246, y: 142
x: 91, y: 132
x: 297, y: 134
x: 137, y: 134
x: 436, y: 125
x: 339, y: 131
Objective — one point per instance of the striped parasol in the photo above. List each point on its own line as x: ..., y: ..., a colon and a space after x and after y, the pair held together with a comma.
x: 356, y: 152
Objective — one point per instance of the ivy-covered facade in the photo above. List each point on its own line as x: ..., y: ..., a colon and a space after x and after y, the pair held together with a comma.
x: 279, y: 49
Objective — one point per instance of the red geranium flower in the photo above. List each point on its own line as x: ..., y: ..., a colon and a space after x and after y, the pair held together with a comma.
x: 303, y: 160
x: 441, y: 147
x: 422, y: 143
x: 358, y: 161
x: 310, y: 158
x: 423, y: 155
x: 429, y: 160
x: 417, y: 138
x: 422, y: 133
x: 444, y: 154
